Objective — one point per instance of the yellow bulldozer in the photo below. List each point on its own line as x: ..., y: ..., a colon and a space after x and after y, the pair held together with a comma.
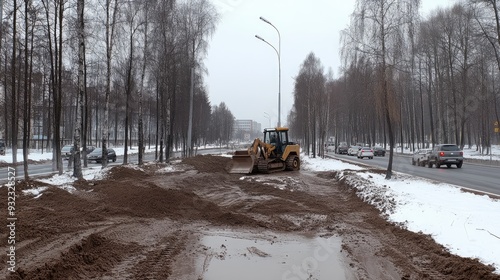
x: 274, y: 153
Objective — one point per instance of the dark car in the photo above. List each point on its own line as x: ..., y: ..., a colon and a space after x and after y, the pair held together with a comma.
x: 445, y: 154
x: 96, y: 155
x: 378, y: 151
x: 342, y: 148
x: 66, y: 151
x: 2, y: 148
x: 90, y: 149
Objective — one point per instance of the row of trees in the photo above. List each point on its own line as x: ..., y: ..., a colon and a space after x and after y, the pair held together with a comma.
x: 406, y: 79
x: 85, y: 70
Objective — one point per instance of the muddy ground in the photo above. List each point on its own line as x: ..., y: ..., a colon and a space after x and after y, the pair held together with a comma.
x: 147, y: 224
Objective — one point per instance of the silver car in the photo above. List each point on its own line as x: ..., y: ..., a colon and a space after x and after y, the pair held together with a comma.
x: 353, y: 150
x: 420, y: 157
x: 446, y: 154
x: 365, y: 152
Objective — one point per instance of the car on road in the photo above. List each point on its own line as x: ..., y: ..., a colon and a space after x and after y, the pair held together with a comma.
x: 96, y: 155
x: 365, y: 152
x: 378, y: 151
x: 446, y: 154
x: 2, y: 148
x: 89, y: 149
x: 353, y: 150
x: 342, y: 148
x: 420, y: 157
x: 66, y: 151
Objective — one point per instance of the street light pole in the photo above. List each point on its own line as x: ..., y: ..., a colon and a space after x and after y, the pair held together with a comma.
x: 279, y: 65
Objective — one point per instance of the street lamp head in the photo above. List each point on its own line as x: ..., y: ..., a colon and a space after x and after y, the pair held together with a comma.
x: 265, y: 20
x: 260, y: 38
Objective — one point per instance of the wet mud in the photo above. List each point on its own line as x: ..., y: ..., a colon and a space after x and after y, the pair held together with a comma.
x: 192, y: 220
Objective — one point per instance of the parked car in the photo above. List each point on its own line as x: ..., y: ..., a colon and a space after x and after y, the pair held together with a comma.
x: 378, y: 151
x: 446, y: 154
x: 96, y: 155
x: 330, y: 147
x: 89, y: 149
x: 420, y: 157
x: 66, y: 151
x: 353, y: 150
x: 365, y: 152
x: 342, y: 148
x: 2, y: 148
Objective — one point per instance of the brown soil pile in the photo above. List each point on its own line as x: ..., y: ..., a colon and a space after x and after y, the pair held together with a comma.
x: 137, y: 224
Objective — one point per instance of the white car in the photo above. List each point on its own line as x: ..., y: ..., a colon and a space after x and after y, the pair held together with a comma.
x: 353, y: 150
x: 421, y: 157
x: 365, y: 152
x: 330, y: 147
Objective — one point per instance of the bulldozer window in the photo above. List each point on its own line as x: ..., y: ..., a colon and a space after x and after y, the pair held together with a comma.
x: 283, y: 137
x: 273, y: 139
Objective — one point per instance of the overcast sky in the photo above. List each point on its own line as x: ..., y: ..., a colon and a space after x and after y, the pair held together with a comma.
x: 243, y: 71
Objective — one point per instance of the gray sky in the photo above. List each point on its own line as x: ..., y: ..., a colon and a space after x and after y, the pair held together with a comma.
x: 243, y: 71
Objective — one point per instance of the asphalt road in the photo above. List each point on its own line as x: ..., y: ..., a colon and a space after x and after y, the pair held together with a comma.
x: 477, y: 177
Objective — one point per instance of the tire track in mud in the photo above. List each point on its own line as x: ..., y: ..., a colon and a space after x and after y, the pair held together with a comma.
x: 157, y: 263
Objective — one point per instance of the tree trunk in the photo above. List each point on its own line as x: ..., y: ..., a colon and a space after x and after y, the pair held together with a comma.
x: 14, y: 90
x: 27, y: 95
x: 77, y: 171
x: 110, y: 30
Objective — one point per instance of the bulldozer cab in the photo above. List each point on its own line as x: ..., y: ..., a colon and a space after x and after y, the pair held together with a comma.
x: 277, y: 138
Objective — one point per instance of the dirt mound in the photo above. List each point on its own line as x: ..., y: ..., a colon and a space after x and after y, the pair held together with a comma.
x: 86, y: 260
x: 121, y: 172
x: 208, y: 163
x: 55, y: 211
x: 147, y: 200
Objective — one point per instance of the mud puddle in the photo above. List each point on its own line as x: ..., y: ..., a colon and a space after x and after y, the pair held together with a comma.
x: 249, y: 256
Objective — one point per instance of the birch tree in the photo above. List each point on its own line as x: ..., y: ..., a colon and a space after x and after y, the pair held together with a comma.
x: 110, y: 25
x: 77, y: 166
x: 380, y: 34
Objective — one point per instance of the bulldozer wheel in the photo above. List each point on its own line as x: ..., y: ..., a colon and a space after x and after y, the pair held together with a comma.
x: 293, y: 163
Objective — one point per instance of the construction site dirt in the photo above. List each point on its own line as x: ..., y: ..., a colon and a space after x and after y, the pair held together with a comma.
x: 191, y: 219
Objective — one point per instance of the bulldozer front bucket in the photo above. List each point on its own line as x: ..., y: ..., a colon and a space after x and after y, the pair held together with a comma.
x: 242, y: 163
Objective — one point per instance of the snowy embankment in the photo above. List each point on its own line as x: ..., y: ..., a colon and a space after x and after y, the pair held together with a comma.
x: 466, y: 224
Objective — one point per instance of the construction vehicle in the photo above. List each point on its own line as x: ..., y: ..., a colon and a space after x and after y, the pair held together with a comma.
x: 274, y: 153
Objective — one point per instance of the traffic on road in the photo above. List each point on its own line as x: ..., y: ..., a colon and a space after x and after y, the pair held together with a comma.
x: 476, y: 177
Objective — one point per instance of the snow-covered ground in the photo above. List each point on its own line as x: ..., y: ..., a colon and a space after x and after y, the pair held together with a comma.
x: 37, y: 155
x: 465, y: 223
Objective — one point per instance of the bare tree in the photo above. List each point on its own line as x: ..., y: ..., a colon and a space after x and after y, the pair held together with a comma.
x: 28, y: 54
x: 77, y: 170
x: 145, y: 60
x: 488, y: 18
x: 133, y: 26
x: 380, y: 34
x: 310, y: 102
x: 197, y: 20
x: 14, y: 120
x: 111, y: 18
